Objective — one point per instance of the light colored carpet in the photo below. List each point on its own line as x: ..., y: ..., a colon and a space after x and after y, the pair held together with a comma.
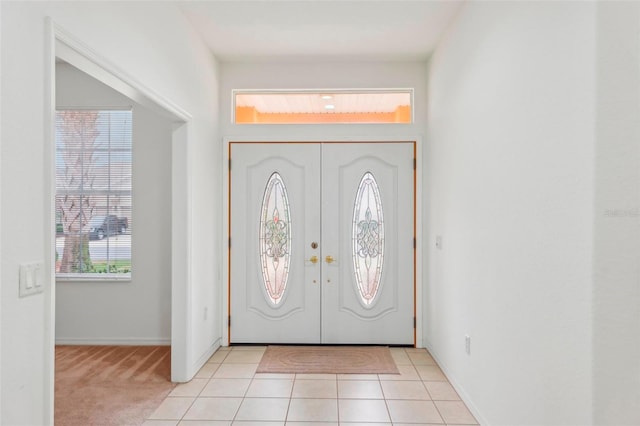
x: 328, y: 359
x: 110, y: 385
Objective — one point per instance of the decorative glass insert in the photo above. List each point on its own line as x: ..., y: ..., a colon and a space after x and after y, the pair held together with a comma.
x: 368, y: 238
x: 275, y: 238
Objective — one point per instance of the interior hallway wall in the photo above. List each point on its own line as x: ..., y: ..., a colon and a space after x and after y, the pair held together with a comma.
x: 616, y: 293
x: 136, y: 311
x: 511, y: 164
x: 153, y: 43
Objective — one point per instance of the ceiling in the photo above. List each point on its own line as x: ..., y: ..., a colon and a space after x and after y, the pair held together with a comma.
x: 395, y: 30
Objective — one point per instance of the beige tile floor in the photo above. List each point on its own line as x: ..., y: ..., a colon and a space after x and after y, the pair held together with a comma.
x: 227, y: 390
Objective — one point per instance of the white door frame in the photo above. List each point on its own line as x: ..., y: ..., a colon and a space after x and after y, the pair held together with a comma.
x: 225, y: 220
x: 63, y: 45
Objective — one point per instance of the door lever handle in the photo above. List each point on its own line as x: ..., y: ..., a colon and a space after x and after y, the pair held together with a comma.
x: 329, y: 259
x: 313, y: 259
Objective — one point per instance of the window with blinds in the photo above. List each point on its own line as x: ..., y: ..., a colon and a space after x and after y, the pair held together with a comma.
x: 93, y: 194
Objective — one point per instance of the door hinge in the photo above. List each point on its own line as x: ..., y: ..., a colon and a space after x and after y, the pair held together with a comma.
x: 414, y: 322
x: 229, y: 164
x: 414, y: 164
x: 229, y: 242
x: 229, y: 321
x: 414, y: 242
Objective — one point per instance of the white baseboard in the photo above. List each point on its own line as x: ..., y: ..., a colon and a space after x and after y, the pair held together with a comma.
x: 456, y: 385
x: 123, y: 341
x: 202, y: 360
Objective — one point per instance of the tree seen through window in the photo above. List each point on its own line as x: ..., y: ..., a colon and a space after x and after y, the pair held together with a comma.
x: 93, y: 192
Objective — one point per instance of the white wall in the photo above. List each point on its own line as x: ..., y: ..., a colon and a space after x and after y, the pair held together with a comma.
x: 616, y: 293
x: 152, y: 43
x: 137, y: 311
x: 511, y: 163
x: 1, y: 254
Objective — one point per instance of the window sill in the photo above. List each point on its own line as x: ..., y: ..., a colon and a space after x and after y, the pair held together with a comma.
x: 93, y: 277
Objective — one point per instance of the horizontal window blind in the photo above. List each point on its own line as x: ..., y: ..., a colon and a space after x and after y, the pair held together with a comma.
x: 93, y: 193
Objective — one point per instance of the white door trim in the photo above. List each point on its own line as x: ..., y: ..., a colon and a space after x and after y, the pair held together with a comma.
x: 225, y: 221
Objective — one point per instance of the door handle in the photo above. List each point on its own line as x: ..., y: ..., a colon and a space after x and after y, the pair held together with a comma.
x: 313, y: 259
x: 329, y: 259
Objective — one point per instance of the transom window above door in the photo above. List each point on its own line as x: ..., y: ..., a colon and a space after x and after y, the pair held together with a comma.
x: 393, y: 106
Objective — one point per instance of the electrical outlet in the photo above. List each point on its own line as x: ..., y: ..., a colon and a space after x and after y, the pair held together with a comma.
x: 439, y: 242
x: 467, y: 344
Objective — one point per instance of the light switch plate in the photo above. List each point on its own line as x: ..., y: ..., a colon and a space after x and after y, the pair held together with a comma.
x: 31, y: 278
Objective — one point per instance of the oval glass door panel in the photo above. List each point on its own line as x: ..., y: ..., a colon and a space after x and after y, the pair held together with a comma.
x: 275, y: 238
x: 368, y: 239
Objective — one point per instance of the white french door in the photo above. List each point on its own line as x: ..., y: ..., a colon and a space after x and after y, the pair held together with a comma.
x: 322, y: 243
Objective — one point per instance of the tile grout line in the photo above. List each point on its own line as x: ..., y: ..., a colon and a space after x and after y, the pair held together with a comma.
x: 415, y: 366
x: 199, y: 393
x: 293, y: 384
x: 337, y: 401
x: 384, y: 396
x: 428, y: 393
x: 233, y: 419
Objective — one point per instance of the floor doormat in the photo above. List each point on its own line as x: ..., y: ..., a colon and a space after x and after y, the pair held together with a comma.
x: 328, y: 359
